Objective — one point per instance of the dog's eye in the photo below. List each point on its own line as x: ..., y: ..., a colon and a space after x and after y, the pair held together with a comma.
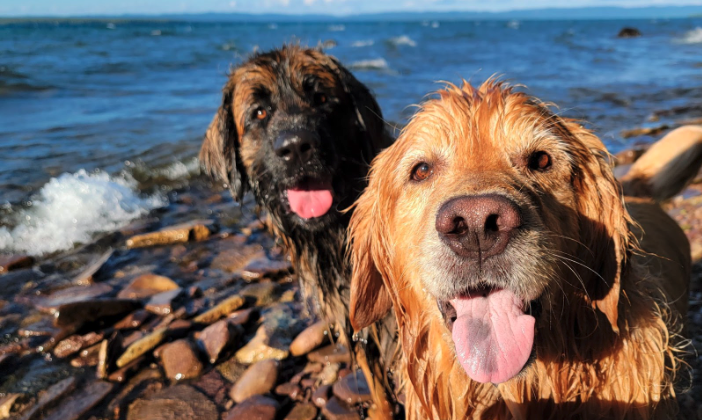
x: 539, y: 161
x: 421, y: 172
x: 320, y: 98
x: 260, y: 114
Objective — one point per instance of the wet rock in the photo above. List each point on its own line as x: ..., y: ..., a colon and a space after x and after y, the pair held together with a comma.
x: 141, y: 346
x: 214, y: 386
x: 628, y: 32
x: 333, y: 353
x: 646, y: 131
x: 221, y: 310
x: 337, y: 410
x: 254, y: 408
x: 259, y: 378
x: 264, y: 267
x: 231, y: 369
x: 302, y: 412
x: 196, y: 230
x: 309, y: 339
x: 76, y: 343
x: 330, y: 373
x: 180, y: 402
x: 260, y: 293
x: 42, y: 328
x: 289, y: 389
x: 133, y: 320
x: 49, y: 398
x: 180, y: 361
x: 87, y: 357
x: 216, y: 337
x: 321, y: 396
x: 235, y: 259
x: 121, y: 375
x: 75, y: 406
x: 147, y: 285
x: 273, y: 337
x: 352, y: 389
x: 243, y: 316
x: 164, y: 302
x: 7, y: 404
x: 87, y: 276
x: 12, y: 282
x: 109, y: 350
x: 92, y: 310
x: 146, y: 382
x: 14, y: 262
x: 71, y: 295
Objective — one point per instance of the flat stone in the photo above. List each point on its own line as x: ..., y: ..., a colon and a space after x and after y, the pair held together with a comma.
x: 141, y: 346
x: 261, y: 293
x: 49, y: 397
x: 133, y: 320
x: 147, y: 285
x: 304, y: 411
x: 309, y: 339
x: 76, y: 405
x: 264, y: 267
x: 333, y: 353
x: 14, y: 262
x: 273, y: 337
x: 214, y: 386
x: 92, y: 310
x: 120, y: 375
x: 220, y: 310
x: 352, y: 389
x: 41, y: 328
x: 321, y: 396
x: 216, y: 337
x: 289, y: 389
x: 259, y: 378
x: 231, y: 369
x: 75, y: 343
x: 196, y: 230
x: 181, y: 402
x: 232, y: 260
x: 163, y: 303
x: 87, y: 357
x: 255, y: 408
x: 337, y: 410
x: 87, y: 276
x: 71, y: 295
x: 180, y: 361
x: 243, y: 316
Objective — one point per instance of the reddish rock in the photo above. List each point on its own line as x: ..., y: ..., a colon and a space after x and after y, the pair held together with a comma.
x: 49, y: 398
x: 255, y: 408
x: 121, y: 374
x: 235, y: 259
x: 333, y: 353
x: 243, y: 316
x: 180, y: 361
x: 302, y: 412
x: 196, y: 230
x: 14, y: 262
x: 181, y: 402
x: 76, y: 343
x: 259, y: 378
x: 321, y: 396
x: 75, y: 406
x: 264, y: 267
x: 337, y: 410
x: 214, y: 386
x: 147, y: 285
x: 288, y: 389
x: 309, y: 339
x: 133, y: 320
x: 352, y: 389
x: 215, y: 338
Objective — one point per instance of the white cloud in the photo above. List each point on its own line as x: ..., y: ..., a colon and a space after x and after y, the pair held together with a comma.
x: 232, y: 4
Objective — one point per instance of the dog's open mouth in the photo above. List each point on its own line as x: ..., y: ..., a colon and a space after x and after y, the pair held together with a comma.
x: 493, y: 335
x: 310, y: 198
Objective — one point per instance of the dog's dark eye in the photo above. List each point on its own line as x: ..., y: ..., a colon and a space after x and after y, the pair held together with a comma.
x: 539, y: 161
x: 421, y: 172
x: 260, y: 114
x: 320, y: 98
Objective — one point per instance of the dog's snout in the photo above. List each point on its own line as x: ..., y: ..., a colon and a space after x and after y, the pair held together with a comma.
x: 296, y: 146
x: 479, y: 226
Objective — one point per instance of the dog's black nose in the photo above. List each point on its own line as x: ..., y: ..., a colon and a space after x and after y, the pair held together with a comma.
x: 478, y: 226
x: 296, y: 146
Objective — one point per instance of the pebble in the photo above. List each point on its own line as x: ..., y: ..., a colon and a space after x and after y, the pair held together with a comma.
x: 302, y: 412
x: 261, y: 293
x: 222, y: 309
x: 337, y: 410
x: 133, y: 320
x: 243, y: 316
x: 215, y: 338
x: 261, y: 347
x: 288, y: 389
x: 321, y: 396
x: 352, y: 389
x: 232, y: 260
x: 163, y: 303
x: 92, y: 310
x: 7, y: 404
x: 196, y: 230
x: 75, y: 343
x: 255, y: 408
x: 180, y: 361
x: 330, y: 373
x: 141, y: 346
x: 76, y: 405
x: 147, y: 285
x: 74, y: 294
x: 259, y: 378
x: 309, y: 339
x: 49, y: 397
x: 333, y: 353
x: 181, y: 402
x: 264, y: 267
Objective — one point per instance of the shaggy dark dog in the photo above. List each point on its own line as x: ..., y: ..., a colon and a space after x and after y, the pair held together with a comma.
x: 297, y: 129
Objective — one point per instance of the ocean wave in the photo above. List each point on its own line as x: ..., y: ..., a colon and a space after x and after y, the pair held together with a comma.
x: 402, y: 40
x: 175, y: 171
x: 72, y: 208
x: 371, y: 64
x: 363, y: 43
x: 337, y: 28
x: 691, y: 37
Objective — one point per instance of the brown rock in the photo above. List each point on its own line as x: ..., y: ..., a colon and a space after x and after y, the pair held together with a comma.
x: 337, y: 410
x: 87, y: 357
x: 147, y: 285
x: 321, y: 396
x: 333, y: 353
x: 264, y: 267
x: 87, y: 276
x: 179, y: 402
x: 215, y: 338
x: 255, y: 408
x: 231, y: 369
x: 121, y: 375
x: 352, y: 389
x: 92, y: 310
x: 141, y: 346
x: 76, y: 343
x: 196, y: 230
x: 180, y: 361
x: 648, y: 131
x: 263, y: 346
x: 75, y: 406
x: 288, y: 389
x: 309, y: 339
x: 261, y: 293
x: 133, y: 320
x: 235, y: 259
x: 259, y: 378
x: 330, y: 373
x: 243, y: 316
x: 214, y: 386
x: 72, y: 294
x: 14, y: 262
x: 49, y: 398
x: 7, y: 403
x: 222, y: 309
x: 163, y: 303
x: 302, y: 412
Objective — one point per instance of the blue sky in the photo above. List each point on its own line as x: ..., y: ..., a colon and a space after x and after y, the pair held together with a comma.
x: 112, y: 7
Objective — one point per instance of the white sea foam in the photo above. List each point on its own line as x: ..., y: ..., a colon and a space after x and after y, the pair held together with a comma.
x: 371, y: 64
x: 337, y: 28
x: 363, y: 43
x: 72, y: 208
x: 691, y: 37
x: 180, y: 170
x: 402, y: 40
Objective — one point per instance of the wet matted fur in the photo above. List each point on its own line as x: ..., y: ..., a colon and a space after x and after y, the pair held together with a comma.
x: 604, y: 277
x: 296, y: 119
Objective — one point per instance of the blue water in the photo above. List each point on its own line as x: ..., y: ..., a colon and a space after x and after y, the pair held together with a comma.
x: 121, y: 96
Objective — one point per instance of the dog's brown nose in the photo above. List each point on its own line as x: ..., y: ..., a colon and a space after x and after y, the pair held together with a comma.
x: 296, y: 146
x: 479, y: 226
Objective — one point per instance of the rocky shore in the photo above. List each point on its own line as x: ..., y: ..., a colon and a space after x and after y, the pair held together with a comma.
x: 194, y: 313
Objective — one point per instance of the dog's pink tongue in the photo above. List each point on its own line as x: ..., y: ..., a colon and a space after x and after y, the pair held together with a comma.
x: 310, y: 203
x: 493, y: 337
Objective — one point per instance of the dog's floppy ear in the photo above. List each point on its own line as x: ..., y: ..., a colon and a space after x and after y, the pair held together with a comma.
x: 219, y: 154
x: 603, y: 223
x: 370, y: 299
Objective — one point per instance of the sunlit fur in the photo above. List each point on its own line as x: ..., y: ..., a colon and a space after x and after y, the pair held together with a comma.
x: 607, y: 340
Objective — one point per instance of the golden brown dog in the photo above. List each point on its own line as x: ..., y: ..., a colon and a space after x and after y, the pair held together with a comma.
x: 524, y: 284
